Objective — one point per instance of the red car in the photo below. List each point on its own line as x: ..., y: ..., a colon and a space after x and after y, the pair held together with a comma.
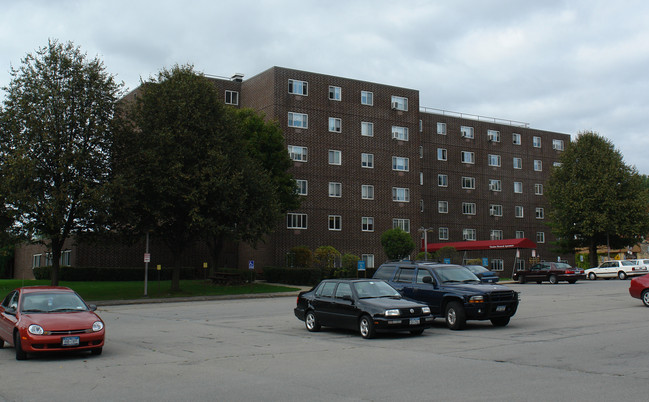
x: 49, y: 318
x: 640, y: 289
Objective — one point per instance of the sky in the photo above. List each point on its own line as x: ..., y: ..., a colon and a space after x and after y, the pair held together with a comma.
x: 564, y: 66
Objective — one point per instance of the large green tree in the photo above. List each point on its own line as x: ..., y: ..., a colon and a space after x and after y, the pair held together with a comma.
x: 595, y: 198
x: 397, y: 243
x: 55, y: 142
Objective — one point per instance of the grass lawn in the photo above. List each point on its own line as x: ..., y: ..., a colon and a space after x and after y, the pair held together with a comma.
x: 96, y: 291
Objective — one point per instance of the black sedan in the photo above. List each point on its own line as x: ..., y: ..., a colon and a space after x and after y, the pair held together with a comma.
x: 366, y: 305
x: 483, y: 273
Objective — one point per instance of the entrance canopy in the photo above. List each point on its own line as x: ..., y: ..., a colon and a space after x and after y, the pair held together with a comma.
x: 483, y: 245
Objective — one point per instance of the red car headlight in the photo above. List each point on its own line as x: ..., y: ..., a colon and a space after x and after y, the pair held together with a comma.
x: 36, y: 329
x: 97, y: 326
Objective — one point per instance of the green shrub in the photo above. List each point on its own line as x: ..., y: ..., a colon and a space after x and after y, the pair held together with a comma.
x: 325, y: 259
x: 302, y: 256
x: 349, y: 267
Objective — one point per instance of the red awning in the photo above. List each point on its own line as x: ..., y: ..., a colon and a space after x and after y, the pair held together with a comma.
x: 484, y: 245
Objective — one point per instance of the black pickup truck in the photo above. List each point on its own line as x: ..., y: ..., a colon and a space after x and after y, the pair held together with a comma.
x: 451, y: 291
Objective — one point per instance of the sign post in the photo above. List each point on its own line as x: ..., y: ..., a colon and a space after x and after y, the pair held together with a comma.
x: 147, y: 259
x: 361, y: 268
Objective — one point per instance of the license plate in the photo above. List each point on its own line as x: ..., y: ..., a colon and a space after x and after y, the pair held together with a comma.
x: 501, y: 308
x: 70, y: 341
x: 415, y: 321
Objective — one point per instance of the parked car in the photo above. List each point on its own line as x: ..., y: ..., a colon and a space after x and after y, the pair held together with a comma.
x: 451, y: 291
x: 642, y: 263
x: 616, y: 268
x: 38, y: 319
x: 483, y: 273
x: 553, y: 272
x: 639, y: 289
x: 363, y: 304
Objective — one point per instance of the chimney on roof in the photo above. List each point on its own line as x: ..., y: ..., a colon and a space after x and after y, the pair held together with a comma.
x: 237, y: 77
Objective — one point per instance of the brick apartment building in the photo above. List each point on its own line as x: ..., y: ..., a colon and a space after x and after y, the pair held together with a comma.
x: 367, y: 158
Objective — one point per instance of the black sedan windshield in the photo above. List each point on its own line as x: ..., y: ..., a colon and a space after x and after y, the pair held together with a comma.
x: 52, y: 302
x: 371, y: 289
x: 455, y: 274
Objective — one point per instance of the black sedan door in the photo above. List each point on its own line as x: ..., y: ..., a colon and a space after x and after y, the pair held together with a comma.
x: 344, y: 307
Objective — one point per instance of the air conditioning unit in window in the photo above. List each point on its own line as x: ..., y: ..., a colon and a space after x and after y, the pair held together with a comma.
x: 493, y: 186
x: 492, y: 212
x: 395, y: 135
x: 490, y: 138
x: 395, y: 105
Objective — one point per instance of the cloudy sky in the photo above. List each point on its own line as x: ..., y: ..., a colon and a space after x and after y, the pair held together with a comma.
x: 565, y: 66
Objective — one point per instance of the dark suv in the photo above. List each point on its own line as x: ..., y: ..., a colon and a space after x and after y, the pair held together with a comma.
x: 451, y: 291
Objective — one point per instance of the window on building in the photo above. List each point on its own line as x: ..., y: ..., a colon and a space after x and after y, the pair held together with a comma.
x: 442, y: 207
x: 538, y: 165
x: 468, y: 183
x: 468, y: 234
x: 335, y: 125
x: 334, y: 93
x: 557, y: 145
x: 536, y: 142
x: 538, y: 189
x: 493, y: 135
x: 367, y: 192
x: 296, y: 221
x: 298, y: 154
x: 335, y: 189
x: 36, y: 260
x: 497, y: 264
x: 468, y: 157
x: 518, y: 187
x: 494, y: 160
x: 468, y: 208
x: 441, y: 154
x: 518, y: 211
x: 298, y: 87
x: 495, y: 210
x: 540, y: 213
x: 421, y: 126
x: 442, y: 233
x: 442, y: 180
x: 495, y: 185
x: 399, y: 103
x: 367, y: 224
x: 540, y: 237
x: 367, y: 129
x: 466, y: 132
x: 66, y: 258
x: 369, y: 260
x: 441, y: 128
x: 367, y: 160
x: 367, y: 98
x: 556, y: 164
x: 421, y: 178
x: 302, y: 187
x: 518, y: 163
x: 520, y: 264
x: 403, y: 224
x: 400, y: 163
x: 421, y: 152
x: 298, y: 120
x: 516, y: 139
x: 335, y: 222
x: 231, y: 97
x: 520, y: 234
x: 496, y: 234
x: 335, y: 157
x: 400, y: 133
x: 400, y: 194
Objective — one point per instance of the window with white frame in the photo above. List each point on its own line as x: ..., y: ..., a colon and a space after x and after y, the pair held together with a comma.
x: 231, y: 97
x: 540, y: 237
x: 442, y: 180
x: 442, y: 233
x: 302, y: 187
x: 441, y: 154
x: 36, y: 260
x: 494, y: 160
x: 335, y: 189
x: 369, y: 260
x: 296, y: 221
x: 400, y: 133
x: 556, y: 164
x: 518, y: 211
x: 493, y: 135
x: 367, y: 192
x: 335, y: 222
x: 468, y: 183
x: 536, y: 142
x: 367, y: 224
x: 399, y: 103
x: 468, y: 208
x: 400, y: 194
x: 335, y: 157
x: 367, y: 98
x: 335, y: 93
x: 495, y: 210
x: 497, y: 264
x: 66, y: 258
x: 518, y: 187
x: 468, y: 157
x: 298, y: 120
x: 400, y: 163
x: 421, y: 126
x: 557, y: 145
x: 538, y: 165
x: 540, y: 213
x: 421, y: 178
x: 538, y: 189
x: 403, y: 224
x: 441, y: 128
x: 335, y: 125
x: 468, y: 234
x: 518, y: 163
x: 495, y: 185
x: 298, y: 154
x: 520, y: 264
x: 516, y: 139
x: 421, y: 152
x: 496, y: 234
x: 367, y: 160
x: 442, y: 207
x: 297, y: 87
x: 520, y: 234
x: 466, y: 132
x: 367, y: 129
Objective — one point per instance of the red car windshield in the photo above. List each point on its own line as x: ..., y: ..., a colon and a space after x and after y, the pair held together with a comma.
x: 48, y: 302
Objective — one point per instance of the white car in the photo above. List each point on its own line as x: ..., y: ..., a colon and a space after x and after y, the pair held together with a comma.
x: 642, y: 263
x: 621, y: 269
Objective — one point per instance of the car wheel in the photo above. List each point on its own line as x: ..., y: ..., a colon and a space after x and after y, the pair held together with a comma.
x: 621, y: 275
x: 572, y: 281
x: 645, y: 297
x: 553, y: 279
x: 20, y: 353
x: 592, y: 276
x: 417, y: 332
x: 96, y: 351
x: 366, y: 327
x: 500, y: 321
x: 455, y: 316
x: 2, y: 343
x: 521, y: 279
x: 311, y: 322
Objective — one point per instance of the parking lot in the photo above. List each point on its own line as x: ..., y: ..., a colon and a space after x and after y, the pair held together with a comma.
x: 581, y: 342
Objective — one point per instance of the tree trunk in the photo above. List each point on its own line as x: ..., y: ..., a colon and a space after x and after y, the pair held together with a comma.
x: 215, y: 247
x: 592, y: 254
x: 57, y: 245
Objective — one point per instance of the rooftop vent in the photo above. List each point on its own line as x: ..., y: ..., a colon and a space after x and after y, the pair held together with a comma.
x: 237, y: 77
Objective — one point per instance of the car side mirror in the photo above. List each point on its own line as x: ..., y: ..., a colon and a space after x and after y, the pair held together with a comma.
x: 10, y: 311
x: 92, y: 307
x: 348, y: 298
x: 427, y: 279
